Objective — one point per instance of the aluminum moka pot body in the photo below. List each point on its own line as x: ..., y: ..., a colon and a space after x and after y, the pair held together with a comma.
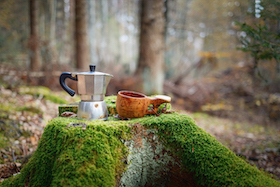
x: 91, y: 86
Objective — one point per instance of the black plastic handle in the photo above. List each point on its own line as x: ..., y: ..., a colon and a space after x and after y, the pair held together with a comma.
x: 62, y: 78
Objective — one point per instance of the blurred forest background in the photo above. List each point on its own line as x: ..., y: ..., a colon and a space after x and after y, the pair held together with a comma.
x: 192, y: 50
x: 218, y: 57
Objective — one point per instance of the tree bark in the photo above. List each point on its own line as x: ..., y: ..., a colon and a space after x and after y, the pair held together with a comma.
x: 92, y: 31
x: 61, y: 30
x: 53, y: 4
x: 150, y: 70
x: 81, y: 37
x: 35, y: 63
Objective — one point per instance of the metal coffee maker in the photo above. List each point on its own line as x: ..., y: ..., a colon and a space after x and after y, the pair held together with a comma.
x: 92, y: 88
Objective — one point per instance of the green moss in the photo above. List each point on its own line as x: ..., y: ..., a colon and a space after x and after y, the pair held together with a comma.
x: 67, y: 108
x: 68, y: 156
x: 6, y: 107
x: 55, y: 99
x: 71, y: 156
x: 111, y: 101
x: 111, y: 104
x: 30, y: 109
x: 44, y: 91
x: 200, y: 115
x: 212, y: 163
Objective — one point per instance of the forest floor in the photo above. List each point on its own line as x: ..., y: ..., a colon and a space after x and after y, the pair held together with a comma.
x: 24, y: 112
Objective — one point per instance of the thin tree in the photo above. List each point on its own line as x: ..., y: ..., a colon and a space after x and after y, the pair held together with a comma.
x: 53, y: 4
x: 35, y: 63
x: 81, y: 37
x: 150, y: 70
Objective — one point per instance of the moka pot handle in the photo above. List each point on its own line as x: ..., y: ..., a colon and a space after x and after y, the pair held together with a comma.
x: 62, y: 78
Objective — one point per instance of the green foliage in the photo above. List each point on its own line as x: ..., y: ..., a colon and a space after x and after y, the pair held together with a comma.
x: 262, y: 39
x: 260, y: 42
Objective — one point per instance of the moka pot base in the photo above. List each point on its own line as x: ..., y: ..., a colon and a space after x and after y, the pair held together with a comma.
x: 92, y: 110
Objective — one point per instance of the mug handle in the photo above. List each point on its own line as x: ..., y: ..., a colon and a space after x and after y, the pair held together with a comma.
x: 62, y: 78
x: 156, y: 102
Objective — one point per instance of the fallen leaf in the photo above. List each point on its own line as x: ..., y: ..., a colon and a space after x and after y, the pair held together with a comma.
x: 33, y: 140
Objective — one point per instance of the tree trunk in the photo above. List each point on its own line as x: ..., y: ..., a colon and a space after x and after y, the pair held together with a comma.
x: 52, y: 46
x: 35, y: 63
x: 82, y: 46
x: 150, y: 70
x: 61, y: 30
x: 92, y: 32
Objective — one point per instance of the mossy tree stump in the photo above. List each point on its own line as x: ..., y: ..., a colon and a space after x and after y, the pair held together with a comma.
x: 169, y: 150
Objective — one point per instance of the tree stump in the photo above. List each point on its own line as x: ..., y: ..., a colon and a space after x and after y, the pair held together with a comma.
x: 169, y: 150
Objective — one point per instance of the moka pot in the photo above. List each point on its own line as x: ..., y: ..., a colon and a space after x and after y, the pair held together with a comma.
x: 92, y: 88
